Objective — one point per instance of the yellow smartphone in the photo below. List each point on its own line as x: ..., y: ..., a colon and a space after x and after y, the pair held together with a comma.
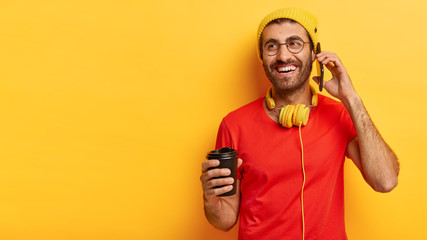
x: 320, y: 68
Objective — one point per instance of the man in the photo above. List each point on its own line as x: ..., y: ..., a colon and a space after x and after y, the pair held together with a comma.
x: 290, y: 180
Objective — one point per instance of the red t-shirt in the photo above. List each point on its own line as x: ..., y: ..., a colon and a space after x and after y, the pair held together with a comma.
x: 271, y: 174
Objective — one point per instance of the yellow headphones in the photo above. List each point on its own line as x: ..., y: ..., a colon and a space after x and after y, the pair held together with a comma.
x: 291, y: 115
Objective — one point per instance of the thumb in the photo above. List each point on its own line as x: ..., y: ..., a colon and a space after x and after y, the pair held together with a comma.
x: 239, y: 162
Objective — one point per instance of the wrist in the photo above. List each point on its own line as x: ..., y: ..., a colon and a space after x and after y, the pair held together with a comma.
x: 351, y: 101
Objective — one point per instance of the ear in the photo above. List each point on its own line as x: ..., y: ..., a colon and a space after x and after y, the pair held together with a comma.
x: 313, y: 56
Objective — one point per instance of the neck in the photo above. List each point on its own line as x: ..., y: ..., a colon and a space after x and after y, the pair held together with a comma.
x: 294, y: 97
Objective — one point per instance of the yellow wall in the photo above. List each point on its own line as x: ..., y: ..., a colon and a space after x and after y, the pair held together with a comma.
x: 108, y: 108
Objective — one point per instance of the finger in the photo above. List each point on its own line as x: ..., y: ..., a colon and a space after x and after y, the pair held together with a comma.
x: 218, y: 182
x: 329, y: 62
x: 209, y: 164
x: 325, y: 53
x: 213, y: 173
x: 327, y: 59
x: 330, y: 58
x: 218, y: 191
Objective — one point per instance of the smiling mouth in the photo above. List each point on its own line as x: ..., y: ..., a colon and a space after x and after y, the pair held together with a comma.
x: 285, y: 69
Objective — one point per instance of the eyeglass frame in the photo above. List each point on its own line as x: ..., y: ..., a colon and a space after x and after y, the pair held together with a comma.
x: 293, y: 38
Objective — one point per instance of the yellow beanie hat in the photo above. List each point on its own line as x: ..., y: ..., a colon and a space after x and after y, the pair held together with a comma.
x: 306, y: 19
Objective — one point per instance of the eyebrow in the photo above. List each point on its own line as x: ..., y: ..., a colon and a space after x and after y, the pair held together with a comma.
x: 293, y: 37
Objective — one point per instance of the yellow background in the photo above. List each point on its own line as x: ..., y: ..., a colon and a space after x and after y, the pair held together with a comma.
x: 109, y: 107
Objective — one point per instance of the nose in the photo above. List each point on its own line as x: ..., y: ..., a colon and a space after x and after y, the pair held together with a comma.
x: 283, y: 54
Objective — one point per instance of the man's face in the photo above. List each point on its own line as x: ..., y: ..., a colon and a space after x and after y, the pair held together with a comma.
x: 287, y: 71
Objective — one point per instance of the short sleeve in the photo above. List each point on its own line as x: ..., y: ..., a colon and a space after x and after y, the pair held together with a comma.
x: 348, y: 125
x: 224, y: 139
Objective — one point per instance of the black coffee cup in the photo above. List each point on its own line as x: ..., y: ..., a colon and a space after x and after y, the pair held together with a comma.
x: 227, y: 159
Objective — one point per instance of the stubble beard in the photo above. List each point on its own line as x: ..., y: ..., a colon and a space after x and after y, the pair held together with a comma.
x: 291, y: 84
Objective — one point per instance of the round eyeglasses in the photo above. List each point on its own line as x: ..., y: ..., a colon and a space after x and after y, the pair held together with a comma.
x: 272, y: 47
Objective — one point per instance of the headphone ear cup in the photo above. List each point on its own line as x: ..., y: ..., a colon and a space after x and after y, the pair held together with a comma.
x: 281, y: 116
x: 301, y: 115
x: 314, y: 100
x: 291, y: 115
x: 286, y: 116
x: 270, y: 103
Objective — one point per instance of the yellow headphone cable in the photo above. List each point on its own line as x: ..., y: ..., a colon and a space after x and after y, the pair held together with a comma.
x: 303, y: 183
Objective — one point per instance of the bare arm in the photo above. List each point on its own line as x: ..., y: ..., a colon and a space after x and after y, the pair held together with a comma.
x: 221, y: 212
x: 370, y: 153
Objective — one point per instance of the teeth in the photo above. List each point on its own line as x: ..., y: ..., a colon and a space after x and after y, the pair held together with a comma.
x: 286, y: 69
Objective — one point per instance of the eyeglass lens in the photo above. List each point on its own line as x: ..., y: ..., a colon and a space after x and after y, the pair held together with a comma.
x: 294, y: 46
